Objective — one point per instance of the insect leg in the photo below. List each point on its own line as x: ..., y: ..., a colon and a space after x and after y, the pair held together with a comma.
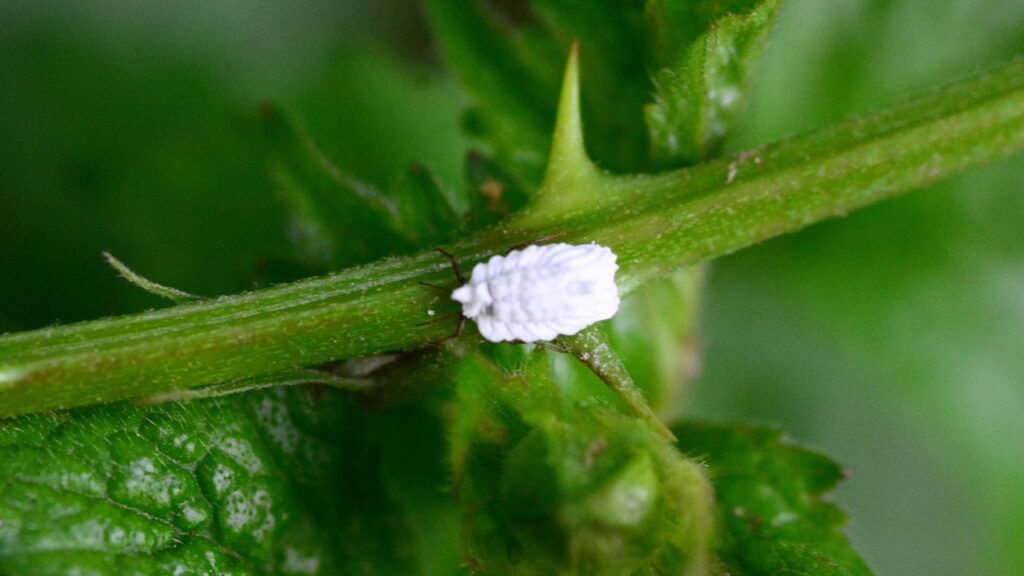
x: 455, y: 265
x: 458, y: 329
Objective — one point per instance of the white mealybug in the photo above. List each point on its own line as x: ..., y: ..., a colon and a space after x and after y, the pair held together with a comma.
x: 540, y: 292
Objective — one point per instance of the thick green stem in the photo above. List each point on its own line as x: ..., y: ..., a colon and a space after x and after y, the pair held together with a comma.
x: 655, y: 223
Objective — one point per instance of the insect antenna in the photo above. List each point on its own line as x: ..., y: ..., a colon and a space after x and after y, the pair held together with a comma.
x: 462, y: 280
x: 434, y: 286
x: 540, y: 240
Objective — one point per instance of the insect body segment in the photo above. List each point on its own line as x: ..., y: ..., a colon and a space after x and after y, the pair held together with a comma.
x: 541, y: 292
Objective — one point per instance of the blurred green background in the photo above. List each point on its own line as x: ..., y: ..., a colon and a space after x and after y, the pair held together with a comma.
x: 892, y: 339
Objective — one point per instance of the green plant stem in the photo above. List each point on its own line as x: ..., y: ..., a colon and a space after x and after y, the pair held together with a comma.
x: 655, y: 223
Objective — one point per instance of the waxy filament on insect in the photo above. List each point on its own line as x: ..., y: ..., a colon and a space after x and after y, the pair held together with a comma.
x: 541, y: 292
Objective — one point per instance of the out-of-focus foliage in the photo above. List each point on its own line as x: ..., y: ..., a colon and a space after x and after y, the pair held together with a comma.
x: 890, y: 339
x: 146, y: 141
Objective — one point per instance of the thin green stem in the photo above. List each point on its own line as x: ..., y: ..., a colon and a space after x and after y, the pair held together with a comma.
x: 655, y: 223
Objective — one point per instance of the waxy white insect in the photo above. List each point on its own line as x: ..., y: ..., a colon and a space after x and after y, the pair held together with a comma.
x: 540, y: 292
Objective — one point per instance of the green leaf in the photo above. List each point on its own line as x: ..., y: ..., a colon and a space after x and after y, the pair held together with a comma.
x: 515, y: 100
x: 553, y: 485
x: 703, y: 85
x: 284, y: 481
x: 770, y: 502
x: 337, y: 221
x: 424, y: 211
x: 375, y: 112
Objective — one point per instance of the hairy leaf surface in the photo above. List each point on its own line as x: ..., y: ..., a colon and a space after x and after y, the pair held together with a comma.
x: 555, y: 480
x: 771, y: 502
x: 283, y: 481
